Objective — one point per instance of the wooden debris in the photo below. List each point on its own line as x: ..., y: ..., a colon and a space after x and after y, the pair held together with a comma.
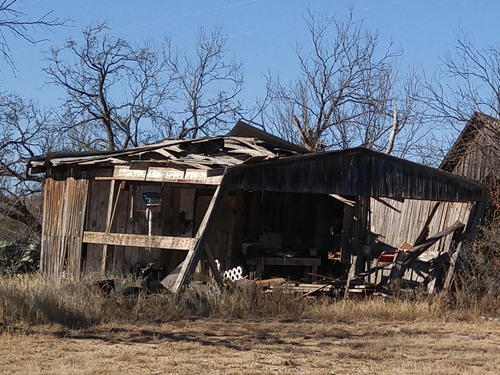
x: 270, y: 282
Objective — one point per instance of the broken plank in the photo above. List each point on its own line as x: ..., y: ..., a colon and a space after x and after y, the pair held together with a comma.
x: 416, y: 251
x: 270, y: 282
x: 139, y: 240
x: 305, y: 288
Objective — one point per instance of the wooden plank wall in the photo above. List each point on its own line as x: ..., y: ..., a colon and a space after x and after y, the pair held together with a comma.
x: 96, y: 222
x: 74, y: 214
x: 394, y: 222
x: 52, y: 230
x: 63, y: 226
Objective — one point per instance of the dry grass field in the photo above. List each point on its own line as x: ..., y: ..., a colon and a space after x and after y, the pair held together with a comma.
x: 212, y: 346
x: 49, y: 327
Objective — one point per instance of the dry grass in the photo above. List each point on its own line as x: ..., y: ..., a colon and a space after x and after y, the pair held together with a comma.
x: 208, y: 345
x: 30, y: 300
x: 63, y: 328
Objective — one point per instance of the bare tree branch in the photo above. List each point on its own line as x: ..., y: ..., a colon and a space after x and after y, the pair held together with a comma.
x: 111, y: 88
x: 17, y: 24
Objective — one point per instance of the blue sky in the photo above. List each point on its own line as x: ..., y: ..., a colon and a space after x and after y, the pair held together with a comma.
x: 262, y: 33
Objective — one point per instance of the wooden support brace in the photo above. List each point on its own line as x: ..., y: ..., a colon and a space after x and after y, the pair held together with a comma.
x: 416, y: 251
x: 194, y: 254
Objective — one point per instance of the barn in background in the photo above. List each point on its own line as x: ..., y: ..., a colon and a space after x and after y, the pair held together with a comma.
x: 252, y: 200
x: 476, y: 154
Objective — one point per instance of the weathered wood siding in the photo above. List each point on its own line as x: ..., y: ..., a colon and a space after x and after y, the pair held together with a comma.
x: 62, y: 232
x: 476, y: 153
x: 482, y: 156
x: 355, y: 172
x: 394, y: 222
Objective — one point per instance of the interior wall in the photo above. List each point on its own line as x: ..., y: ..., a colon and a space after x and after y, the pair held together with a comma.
x: 227, y: 233
x: 293, y: 224
x: 173, y: 217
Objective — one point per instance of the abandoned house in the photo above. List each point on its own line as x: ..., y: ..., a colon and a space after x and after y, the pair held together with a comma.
x: 253, y: 202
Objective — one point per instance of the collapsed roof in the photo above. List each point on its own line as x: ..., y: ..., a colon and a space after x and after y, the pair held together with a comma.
x: 243, y: 145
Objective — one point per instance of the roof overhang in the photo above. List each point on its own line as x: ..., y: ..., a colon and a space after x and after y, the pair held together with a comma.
x: 357, y: 171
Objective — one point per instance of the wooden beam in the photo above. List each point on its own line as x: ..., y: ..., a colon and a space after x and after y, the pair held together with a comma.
x: 139, y: 240
x: 469, y: 233
x: 194, y: 253
x: 342, y: 199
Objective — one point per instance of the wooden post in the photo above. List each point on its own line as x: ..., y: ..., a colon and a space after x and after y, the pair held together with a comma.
x: 398, y: 264
x: 470, y: 231
x: 449, y: 274
x: 350, y: 275
x: 213, y: 266
x: 194, y: 253
x: 109, y: 214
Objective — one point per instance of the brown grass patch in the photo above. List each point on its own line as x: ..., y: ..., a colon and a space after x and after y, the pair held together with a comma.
x: 49, y: 327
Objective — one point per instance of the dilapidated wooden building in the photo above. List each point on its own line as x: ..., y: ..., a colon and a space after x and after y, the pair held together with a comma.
x: 247, y: 199
x: 476, y: 152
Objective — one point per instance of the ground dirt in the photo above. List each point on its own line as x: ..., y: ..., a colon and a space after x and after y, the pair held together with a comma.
x: 209, y: 346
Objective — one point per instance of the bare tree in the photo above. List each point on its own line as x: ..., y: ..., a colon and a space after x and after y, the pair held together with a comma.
x: 206, y: 87
x: 20, y: 26
x: 111, y: 88
x: 469, y: 81
x: 346, y: 93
